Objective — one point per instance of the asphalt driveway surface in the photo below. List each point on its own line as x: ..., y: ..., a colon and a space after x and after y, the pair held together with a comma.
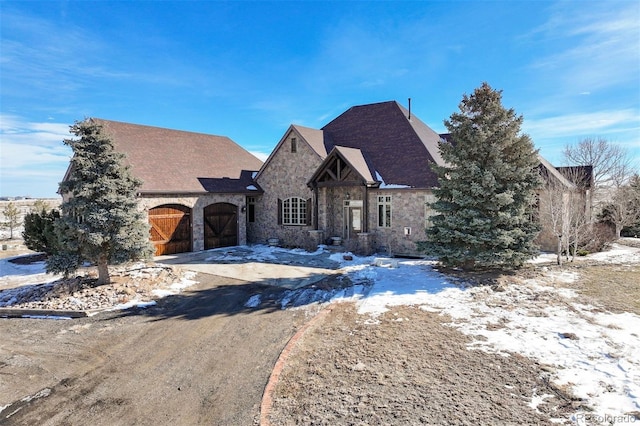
x: 291, y: 269
x: 200, y: 357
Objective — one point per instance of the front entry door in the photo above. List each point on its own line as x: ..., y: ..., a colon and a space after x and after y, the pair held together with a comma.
x: 352, y: 218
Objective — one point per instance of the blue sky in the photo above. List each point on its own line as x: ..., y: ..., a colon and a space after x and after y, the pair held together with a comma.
x: 248, y: 70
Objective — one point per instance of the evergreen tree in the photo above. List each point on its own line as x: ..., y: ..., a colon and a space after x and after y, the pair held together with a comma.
x: 39, y: 232
x: 100, y: 222
x: 487, y: 188
x: 12, y: 216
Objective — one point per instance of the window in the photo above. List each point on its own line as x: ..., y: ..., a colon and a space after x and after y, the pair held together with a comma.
x: 294, y: 211
x: 79, y: 217
x: 384, y: 211
x: 294, y: 145
x: 251, y: 209
x: 428, y: 210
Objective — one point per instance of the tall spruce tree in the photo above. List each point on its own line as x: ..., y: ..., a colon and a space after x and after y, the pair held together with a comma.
x: 100, y: 222
x: 487, y: 188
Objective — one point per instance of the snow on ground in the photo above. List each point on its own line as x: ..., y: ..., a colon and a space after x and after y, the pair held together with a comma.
x: 14, y: 275
x: 616, y: 253
x: 596, y: 354
x: 186, y: 280
x: 20, y: 283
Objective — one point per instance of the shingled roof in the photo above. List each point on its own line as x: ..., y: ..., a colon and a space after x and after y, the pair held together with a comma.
x: 397, y: 148
x: 177, y: 162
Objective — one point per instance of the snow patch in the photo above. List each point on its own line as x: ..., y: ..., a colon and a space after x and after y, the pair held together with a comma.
x: 385, y: 185
x: 253, y: 302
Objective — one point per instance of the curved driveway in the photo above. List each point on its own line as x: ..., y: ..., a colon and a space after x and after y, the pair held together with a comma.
x: 200, y: 357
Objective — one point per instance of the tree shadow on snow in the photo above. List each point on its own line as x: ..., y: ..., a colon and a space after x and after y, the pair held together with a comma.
x: 229, y: 298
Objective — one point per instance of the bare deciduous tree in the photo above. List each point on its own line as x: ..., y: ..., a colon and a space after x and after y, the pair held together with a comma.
x: 624, y: 207
x: 552, y: 213
x: 611, y: 163
x: 612, y: 167
x: 564, y: 208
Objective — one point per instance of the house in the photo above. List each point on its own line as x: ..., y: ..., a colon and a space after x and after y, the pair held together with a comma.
x: 365, y: 178
x: 195, y: 186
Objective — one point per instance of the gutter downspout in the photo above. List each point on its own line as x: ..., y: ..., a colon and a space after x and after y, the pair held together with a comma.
x: 315, y: 207
x: 366, y: 208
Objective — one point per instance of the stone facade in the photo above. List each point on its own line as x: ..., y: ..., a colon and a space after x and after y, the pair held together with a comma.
x: 408, y: 218
x: 557, y: 211
x: 285, y: 175
x: 197, y: 204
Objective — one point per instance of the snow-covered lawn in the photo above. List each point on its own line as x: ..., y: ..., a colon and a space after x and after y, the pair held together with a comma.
x: 14, y: 275
x: 595, y: 353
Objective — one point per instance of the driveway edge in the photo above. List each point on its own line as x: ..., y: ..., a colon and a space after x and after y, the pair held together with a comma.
x: 25, y: 312
x: 267, y: 396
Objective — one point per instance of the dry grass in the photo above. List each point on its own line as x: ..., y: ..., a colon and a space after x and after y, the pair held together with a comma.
x: 15, y: 250
x: 616, y: 287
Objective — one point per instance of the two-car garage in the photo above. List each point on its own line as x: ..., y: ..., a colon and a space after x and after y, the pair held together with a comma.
x: 194, y: 186
x: 172, y: 227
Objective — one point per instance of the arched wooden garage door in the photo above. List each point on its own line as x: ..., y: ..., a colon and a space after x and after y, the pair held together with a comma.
x: 170, y: 229
x: 220, y: 225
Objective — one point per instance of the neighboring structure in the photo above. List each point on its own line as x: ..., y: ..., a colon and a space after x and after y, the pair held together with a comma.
x: 364, y: 179
x: 564, y: 206
x: 195, y: 186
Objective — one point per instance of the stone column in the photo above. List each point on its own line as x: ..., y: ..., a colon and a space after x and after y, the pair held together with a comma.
x: 316, y: 237
x: 197, y: 224
x: 364, y: 244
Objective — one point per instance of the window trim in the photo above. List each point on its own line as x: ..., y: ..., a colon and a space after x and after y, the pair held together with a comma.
x: 385, y: 211
x: 294, y: 211
x: 251, y: 209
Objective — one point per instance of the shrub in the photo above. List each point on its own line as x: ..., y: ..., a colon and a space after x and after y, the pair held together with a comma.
x: 599, y: 239
x: 39, y: 234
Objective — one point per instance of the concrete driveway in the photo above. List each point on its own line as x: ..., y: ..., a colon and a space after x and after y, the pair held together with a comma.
x: 291, y: 269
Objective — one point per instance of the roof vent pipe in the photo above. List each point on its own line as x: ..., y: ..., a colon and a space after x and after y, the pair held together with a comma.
x: 409, y: 109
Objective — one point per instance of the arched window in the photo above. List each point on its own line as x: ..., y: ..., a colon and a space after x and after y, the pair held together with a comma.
x: 293, y: 211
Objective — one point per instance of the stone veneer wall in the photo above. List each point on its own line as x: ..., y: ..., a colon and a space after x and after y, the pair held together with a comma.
x: 407, y: 210
x: 197, y: 203
x: 286, y: 175
x: 331, y: 211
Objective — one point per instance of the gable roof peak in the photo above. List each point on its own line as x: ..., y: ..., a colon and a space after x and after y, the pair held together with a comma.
x: 401, y: 149
x: 312, y: 137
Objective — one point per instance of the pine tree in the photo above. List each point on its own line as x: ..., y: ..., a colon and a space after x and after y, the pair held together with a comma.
x: 12, y: 216
x: 100, y: 222
x: 487, y: 188
x: 39, y: 230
